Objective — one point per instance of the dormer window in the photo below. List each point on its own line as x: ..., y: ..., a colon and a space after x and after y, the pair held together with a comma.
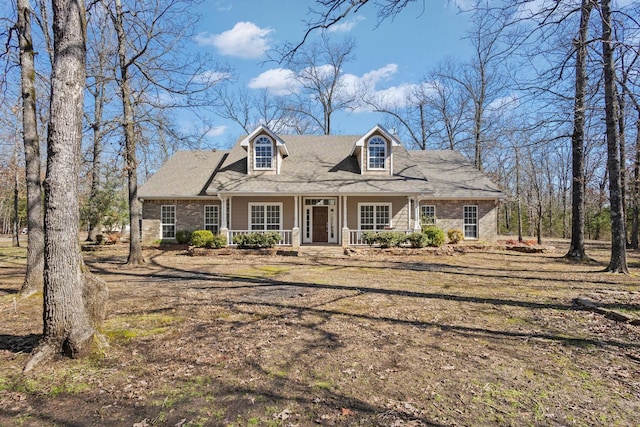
x: 263, y: 153
x: 377, y: 149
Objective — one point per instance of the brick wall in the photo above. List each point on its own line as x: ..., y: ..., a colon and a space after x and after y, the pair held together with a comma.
x: 449, y: 215
x: 189, y: 216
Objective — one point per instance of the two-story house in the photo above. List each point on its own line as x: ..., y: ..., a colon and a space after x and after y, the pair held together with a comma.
x: 316, y: 189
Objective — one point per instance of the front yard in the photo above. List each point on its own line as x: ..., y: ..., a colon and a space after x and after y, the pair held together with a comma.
x: 463, y: 338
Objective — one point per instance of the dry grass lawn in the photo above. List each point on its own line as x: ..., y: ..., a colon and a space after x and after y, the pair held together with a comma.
x: 386, y: 338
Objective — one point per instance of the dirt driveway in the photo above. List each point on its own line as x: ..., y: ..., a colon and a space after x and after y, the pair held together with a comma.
x: 469, y: 338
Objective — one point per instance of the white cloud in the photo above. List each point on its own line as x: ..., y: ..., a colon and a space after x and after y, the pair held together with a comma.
x: 216, y: 131
x: 244, y: 40
x: 510, y: 101
x: 278, y: 81
x: 282, y: 82
x: 345, y: 26
x: 211, y: 76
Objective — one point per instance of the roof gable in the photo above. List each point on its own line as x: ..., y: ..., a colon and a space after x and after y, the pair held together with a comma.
x: 280, y: 144
x: 395, y: 142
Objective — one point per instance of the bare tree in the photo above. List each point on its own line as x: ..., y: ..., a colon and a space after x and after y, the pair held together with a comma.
x: 154, y: 73
x: 319, y: 69
x: 618, y: 261
x: 576, y: 248
x: 33, y: 281
x: 100, y: 76
x: 248, y: 109
x: 73, y: 298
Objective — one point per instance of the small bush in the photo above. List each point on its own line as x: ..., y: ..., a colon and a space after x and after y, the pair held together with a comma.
x: 391, y: 239
x: 182, y: 236
x: 435, y: 235
x: 369, y: 237
x: 257, y: 239
x: 386, y: 239
x: 455, y: 236
x: 202, y: 238
x: 219, y: 241
x: 418, y: 240
x: 99, y: 239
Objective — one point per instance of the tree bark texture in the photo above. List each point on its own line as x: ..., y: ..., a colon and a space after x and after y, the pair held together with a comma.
x: 635, y: 230
x: 68, y: 328
x: 576, y: 249
x: 131, y: 163
x: 34, y: 277
x: 618, y: 261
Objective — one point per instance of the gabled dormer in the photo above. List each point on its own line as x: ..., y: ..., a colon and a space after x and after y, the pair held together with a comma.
x: 265, y: 151
x: 374, y: 151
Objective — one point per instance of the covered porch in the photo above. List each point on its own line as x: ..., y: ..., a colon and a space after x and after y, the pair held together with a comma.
x: 321, y: 219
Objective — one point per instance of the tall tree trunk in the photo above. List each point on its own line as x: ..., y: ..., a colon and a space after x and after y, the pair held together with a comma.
x: 71, y: 295
x: 131, y: 163
x: 636, y: 190
x: 15, y: 241
x: 620, y: 121
x: 576, y: 249
x: 618, y: 261
x: 94, y: 222
x: 34, y: 277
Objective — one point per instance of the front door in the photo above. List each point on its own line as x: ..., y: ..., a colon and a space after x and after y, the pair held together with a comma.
x: 320, y: 224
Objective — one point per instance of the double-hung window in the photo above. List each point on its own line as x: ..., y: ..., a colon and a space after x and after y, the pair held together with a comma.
x: 263, y: 153
x: 471, y: 222
x: 168, y: 221
x: 265, y: 216
x: 377, y: 152
x: 374, y: 216
x: 211, y: 218
x: 428, y: 214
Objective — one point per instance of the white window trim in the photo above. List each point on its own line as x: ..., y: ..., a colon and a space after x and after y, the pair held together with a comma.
x: 477, y: 223
x: 435, y: 218
x: 217, y: 224
x: 264, y: 204
x: 255, y: 157
x: 162, y: 224
x: 375, y: 204
x: 384, y: 164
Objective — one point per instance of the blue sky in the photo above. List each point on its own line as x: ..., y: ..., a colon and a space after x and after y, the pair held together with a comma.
x: 397, y: 53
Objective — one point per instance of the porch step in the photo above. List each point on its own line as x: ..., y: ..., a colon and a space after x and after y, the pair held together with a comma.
x: 321, y: 250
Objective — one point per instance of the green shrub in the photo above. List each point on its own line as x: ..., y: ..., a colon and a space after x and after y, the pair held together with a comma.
x: 202, y: 238
x: 386, y: 239
x: 390, y: 239
x: 257, y: 239
x: 418, y: 240
x: 435, y: 235
x: 455, y: 236
x: 219, y: 241
x: 369, y: 237
x: 182, y: 236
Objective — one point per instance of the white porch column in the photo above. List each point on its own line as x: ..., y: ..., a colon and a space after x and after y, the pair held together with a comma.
x: 409, y: 213
x: 295, y: 232
x: 224, y: 230
x: 345, y: 228
x: 418, y: 221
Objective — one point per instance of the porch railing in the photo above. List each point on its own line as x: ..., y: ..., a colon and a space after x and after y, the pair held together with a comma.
x: 355, y: 236
x: 285, y: 236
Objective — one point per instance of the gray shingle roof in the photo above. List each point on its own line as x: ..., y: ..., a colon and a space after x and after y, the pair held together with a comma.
x: 450, y: 175
x: 185, y: 174
x: 318, y: 164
